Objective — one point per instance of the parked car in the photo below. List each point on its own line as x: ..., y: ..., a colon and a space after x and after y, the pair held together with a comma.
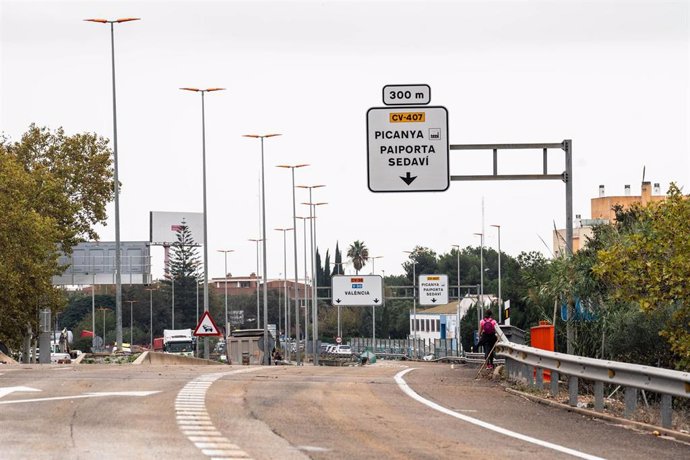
x: 343, y: 350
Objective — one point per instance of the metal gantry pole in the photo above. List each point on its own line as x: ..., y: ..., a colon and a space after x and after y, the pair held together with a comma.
x: 568, y: 147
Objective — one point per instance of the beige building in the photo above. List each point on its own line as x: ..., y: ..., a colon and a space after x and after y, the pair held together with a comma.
x: 602, y: 213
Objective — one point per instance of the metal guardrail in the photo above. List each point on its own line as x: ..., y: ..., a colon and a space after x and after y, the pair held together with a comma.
x: 528, y: 364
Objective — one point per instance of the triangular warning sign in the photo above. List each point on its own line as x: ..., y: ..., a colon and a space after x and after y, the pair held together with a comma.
x: 206, y: 327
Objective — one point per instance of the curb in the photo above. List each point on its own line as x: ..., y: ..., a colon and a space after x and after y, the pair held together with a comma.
x: 677, y: 435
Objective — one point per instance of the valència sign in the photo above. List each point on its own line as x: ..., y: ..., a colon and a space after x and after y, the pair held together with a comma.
x: 356, y: 290
x: 433, y: 289
x: 407, y: 146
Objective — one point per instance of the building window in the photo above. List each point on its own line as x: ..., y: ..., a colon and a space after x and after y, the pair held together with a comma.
x: 438, y: 325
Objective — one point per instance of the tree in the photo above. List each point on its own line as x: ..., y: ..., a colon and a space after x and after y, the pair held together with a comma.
x: 650, y: 266
x: 337, y: 262
x: 425, y: 261
x: 183, y: 270
x: 358, y: 254
x: 53, y: 190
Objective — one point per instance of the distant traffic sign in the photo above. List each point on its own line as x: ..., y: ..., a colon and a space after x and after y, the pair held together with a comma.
x: 406, y: 94
x: 407, y: 149
x: 206, y: 327
x: 356, y: 290
x: 433, y: 289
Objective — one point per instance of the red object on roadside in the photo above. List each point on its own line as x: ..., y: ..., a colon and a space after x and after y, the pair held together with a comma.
x: 158, y: 344
x: 542, y: 337
x: 86, y: 333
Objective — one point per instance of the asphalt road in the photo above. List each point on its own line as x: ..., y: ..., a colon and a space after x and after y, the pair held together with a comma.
x: 432, y: 411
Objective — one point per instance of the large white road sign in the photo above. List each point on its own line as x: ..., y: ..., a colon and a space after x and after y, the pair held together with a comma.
x: 356, y: 290
x: 433, y: 289
x: 407, y: 149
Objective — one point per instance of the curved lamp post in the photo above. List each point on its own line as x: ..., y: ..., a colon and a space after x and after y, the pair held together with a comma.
x: 263, y: 236
x: 116, y: 185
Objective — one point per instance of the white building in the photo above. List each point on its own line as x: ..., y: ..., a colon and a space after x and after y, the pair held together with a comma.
x: 441, y: 322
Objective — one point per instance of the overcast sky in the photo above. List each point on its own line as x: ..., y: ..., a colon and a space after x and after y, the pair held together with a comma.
x: 610, y: 75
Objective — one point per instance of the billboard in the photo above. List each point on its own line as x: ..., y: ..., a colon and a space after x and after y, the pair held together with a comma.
x: 164, y: 226
x: 93, y: 262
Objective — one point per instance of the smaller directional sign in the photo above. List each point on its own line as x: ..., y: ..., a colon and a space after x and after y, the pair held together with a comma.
x: 356, y: 290
x: 433, y: 289
x: 206, y: 327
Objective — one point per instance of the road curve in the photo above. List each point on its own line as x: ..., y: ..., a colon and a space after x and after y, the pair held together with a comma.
x: 292, y: 412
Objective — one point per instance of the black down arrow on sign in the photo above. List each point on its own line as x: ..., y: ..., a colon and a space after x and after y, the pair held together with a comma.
x: 408, y: 179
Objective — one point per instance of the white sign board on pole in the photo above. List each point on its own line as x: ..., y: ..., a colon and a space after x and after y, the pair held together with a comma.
x: 356, y: 290
x: 408, y: 149
x: 433, y: 289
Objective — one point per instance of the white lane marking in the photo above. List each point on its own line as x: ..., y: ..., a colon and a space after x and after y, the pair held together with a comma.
x: 215, y: 445
x: 87, y: 395
x: 9, y: 390
x: 411, y: 393
x: 194, y: 422
x: 313, y: 449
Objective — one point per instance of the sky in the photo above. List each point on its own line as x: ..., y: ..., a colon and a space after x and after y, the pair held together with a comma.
x: 612, y: 76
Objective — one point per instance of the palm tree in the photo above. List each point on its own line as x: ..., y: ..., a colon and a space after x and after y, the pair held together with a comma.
x: 358, y: 254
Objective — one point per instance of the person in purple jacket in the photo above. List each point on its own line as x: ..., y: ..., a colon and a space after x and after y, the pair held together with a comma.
x: 487, y: 337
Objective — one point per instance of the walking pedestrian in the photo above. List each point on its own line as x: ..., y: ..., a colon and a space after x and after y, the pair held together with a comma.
x: 487, y: 337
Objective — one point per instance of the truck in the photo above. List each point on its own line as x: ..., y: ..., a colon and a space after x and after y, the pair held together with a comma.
x: 178, y: 342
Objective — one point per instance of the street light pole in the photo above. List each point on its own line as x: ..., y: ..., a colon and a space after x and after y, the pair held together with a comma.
x: 480, y: 310
x: 225, y: 279
x: 151, y: 317
x: 294, y: 238
x: 341, y: 271
x: 373, y: 307
x: 116, y: 185
x: 314, y: 281
x: 257, y: 240
x: 414, y: 301
x: 103, y: 309
x: 203, y: 155
x: 457, y: 319
x: 131, y: 318
x: 263, y: 236
x: 500, y: 299
x: 285, y: 293
x: 306, y: 309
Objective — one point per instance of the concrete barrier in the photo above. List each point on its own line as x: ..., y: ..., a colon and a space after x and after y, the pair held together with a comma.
x: 154, y: 357
x: 4, y: 359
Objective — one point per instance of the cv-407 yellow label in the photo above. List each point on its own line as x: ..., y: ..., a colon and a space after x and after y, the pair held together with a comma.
x: 407, y: 117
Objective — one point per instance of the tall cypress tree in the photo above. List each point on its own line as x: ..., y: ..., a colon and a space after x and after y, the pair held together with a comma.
x: 184, y: 270
x: 338, y: 263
